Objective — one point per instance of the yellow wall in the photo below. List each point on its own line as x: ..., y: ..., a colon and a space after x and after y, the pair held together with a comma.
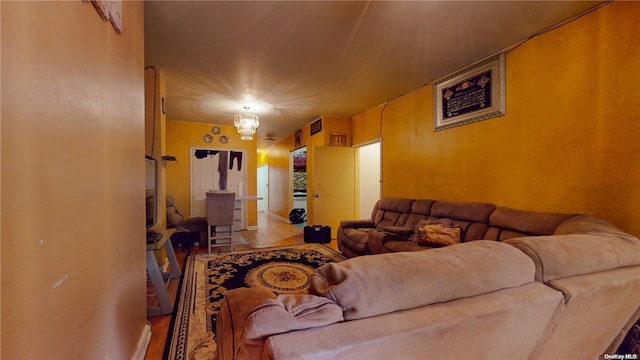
x: 181, y: 137
x: 72, y: 212
x: 569, y: 141
x: 366, y: 126
x: 336, y: 125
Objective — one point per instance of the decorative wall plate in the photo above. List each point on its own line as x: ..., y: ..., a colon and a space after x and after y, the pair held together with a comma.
x: 215, y: 130
x: 207, y: 138
x: 224, y: 139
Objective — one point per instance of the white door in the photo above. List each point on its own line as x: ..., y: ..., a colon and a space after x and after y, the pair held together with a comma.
x: 206, y: 175
x: 263, y: 188
x: 334, y: 183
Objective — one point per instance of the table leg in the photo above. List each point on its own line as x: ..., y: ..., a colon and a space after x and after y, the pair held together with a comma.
x: 173, y: 261
x: 158, y: 284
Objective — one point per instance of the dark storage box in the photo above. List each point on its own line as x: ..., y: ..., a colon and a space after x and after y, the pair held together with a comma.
x: 317, y: 234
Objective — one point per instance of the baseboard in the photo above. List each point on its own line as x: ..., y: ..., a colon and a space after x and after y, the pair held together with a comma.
x: 143, y: 343
x: 252, y: 227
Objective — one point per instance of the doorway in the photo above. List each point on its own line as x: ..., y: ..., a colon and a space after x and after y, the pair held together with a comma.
x: 299, y: 188
x: 369, y: 183
x: 263, y: 188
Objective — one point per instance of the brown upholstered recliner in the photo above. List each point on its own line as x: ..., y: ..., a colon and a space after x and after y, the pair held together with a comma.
x: 189, y: 230
x: 354, y: 235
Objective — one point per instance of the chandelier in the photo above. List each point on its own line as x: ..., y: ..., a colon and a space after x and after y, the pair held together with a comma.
x: 246, y: 124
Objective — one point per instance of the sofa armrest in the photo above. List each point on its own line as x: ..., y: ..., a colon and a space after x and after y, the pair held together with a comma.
x: 357, y: 224
x: 249, y: 315
x: 401, y: 232
x: 234, y: 310
x: 377, y: 239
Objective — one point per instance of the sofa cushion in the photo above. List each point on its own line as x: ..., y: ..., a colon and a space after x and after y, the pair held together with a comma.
x: 512, y: 223
x: 355, y: 224
x: 561, y: 256
x: 392, y: 211
x: 587, y: 224
x: 420, y: 209
x: 395, y: 204
x: 400, y: 231
x: 399, y: 246
x: 472, y: 230
x: 469, y: 211
x: 407, y: 280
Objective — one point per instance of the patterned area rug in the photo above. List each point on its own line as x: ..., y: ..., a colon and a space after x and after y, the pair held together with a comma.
x: 285, y: 269
x: 631, y: 344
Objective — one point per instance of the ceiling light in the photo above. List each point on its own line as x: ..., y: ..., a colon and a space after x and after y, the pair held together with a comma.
x: 246, y: 124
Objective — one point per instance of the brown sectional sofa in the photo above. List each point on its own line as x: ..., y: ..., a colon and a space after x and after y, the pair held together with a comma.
x: 570, y: 291
x: 393, y: 220
x: 371, y: 307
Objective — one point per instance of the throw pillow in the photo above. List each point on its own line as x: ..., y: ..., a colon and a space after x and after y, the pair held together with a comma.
x: 443, y: 221
x: 437, y: 235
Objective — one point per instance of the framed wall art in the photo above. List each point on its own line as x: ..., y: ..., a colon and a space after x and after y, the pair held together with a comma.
x: 298, y: 139
x: 338, y: 139
x: 316, y: 126
x: 110, y: 10
x: 472, y: 94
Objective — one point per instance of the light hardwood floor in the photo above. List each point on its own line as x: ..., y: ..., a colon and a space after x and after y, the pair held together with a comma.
x: 272, y: 231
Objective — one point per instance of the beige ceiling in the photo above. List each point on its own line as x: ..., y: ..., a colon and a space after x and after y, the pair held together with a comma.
x: 293, y: 61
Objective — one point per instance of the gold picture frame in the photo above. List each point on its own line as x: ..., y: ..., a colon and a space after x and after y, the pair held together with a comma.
x: 472, y: 94
x: 338, y: 139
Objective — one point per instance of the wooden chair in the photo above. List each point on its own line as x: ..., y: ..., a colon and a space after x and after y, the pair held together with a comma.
x: 220, y: 209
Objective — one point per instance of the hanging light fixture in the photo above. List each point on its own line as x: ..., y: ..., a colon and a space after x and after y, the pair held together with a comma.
x: 246, y: 124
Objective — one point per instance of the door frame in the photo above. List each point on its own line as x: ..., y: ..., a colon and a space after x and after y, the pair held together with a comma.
x: 360, y: 192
